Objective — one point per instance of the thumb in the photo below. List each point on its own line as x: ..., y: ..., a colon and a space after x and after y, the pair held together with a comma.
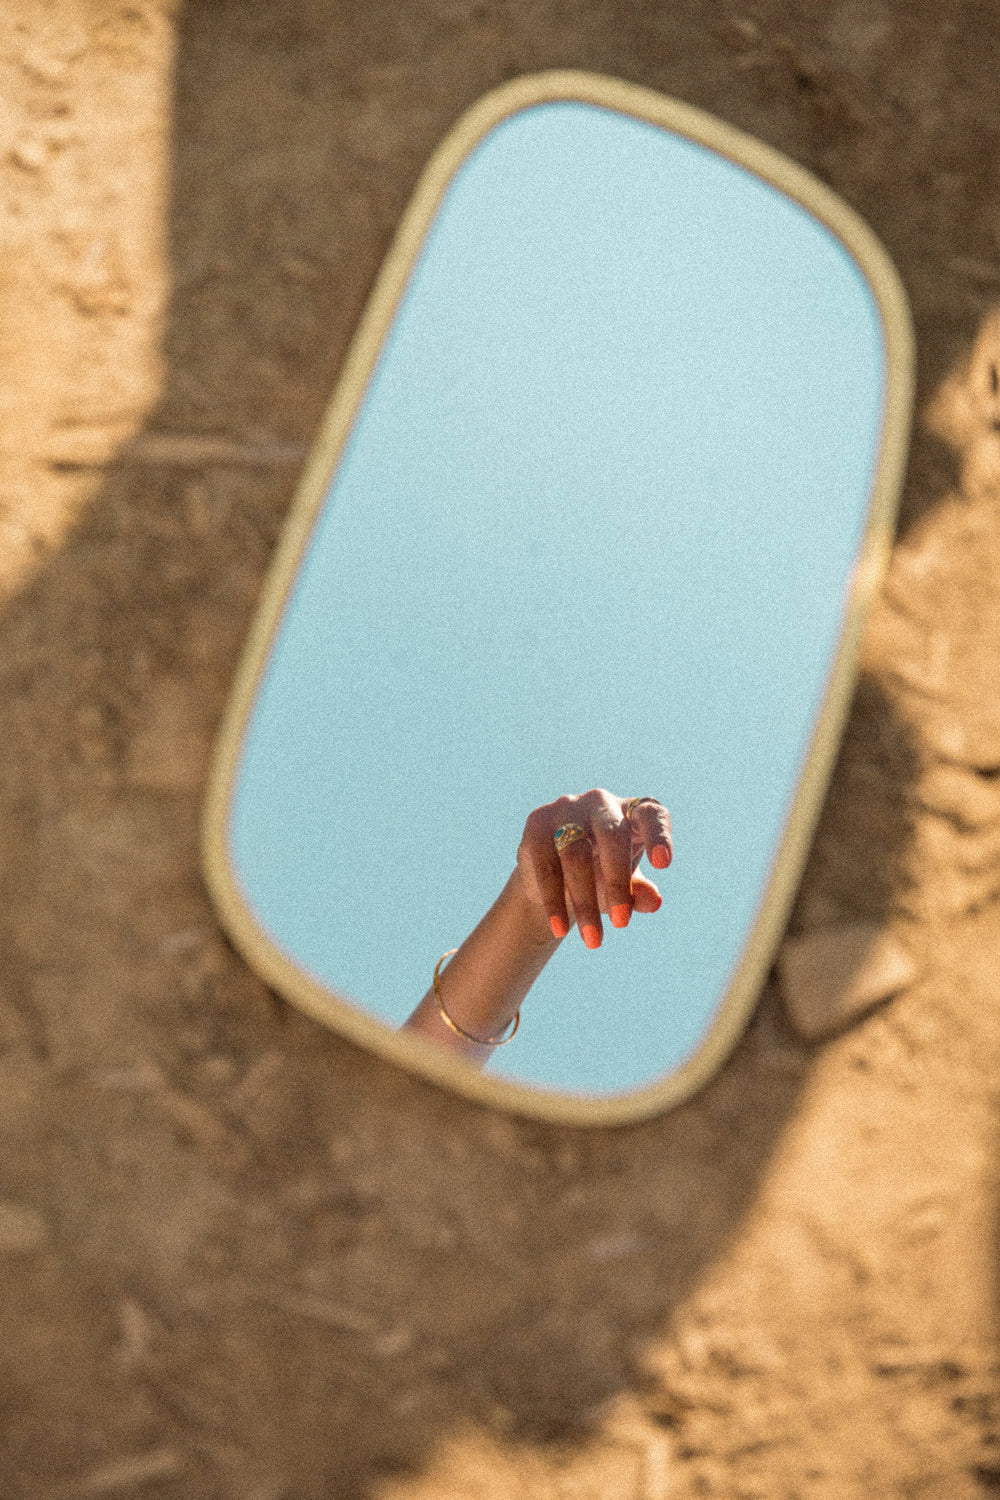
x: 645, y: 896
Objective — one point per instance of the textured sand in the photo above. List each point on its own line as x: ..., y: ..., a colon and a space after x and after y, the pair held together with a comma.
x: 241, y: 1259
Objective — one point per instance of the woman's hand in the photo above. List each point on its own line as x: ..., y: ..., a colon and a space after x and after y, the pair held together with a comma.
x: 596, y: 873
x: 477, y: 997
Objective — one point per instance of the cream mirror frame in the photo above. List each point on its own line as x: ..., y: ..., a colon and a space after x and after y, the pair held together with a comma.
x: 605, y: 314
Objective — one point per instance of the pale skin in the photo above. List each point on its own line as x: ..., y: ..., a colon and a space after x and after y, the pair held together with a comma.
x: 483, y: 985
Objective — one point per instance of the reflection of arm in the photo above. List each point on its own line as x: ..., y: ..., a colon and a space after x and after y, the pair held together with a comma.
x: 577, y: 858
x: 483, y: 984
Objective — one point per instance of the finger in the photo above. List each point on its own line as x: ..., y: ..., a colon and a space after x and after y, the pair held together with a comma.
x: 578, y: 874
x: 613, y: 846
x: 645, y: 896
x: 651, y: 826
x: 540, y: 863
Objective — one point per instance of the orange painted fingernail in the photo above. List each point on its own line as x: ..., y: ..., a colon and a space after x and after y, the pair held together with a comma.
x: 559, y: 927
x: 660, y: 856
x: 620, y: 914
x: 591, y: 935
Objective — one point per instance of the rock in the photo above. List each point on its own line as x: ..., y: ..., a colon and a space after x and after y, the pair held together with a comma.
x: 832, y: 976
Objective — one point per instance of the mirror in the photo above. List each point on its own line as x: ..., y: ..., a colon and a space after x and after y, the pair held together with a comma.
x: 601, y: 499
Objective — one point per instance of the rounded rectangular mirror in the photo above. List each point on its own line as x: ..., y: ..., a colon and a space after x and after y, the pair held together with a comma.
x: 601, y: 499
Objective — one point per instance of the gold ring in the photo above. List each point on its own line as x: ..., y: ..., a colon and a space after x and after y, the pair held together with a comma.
x: 569, y: 833
x: 633, y: 803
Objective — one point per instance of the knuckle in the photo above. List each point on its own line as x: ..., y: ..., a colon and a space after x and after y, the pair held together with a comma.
x: 597, y: 795
x: 549, y: 816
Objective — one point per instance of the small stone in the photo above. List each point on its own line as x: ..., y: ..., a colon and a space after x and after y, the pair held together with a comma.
x: 22, y: 1230
x: 831, y: 977
x: 30, y: 153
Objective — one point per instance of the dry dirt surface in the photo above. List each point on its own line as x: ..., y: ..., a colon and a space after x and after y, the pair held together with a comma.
x: 240, y: 1258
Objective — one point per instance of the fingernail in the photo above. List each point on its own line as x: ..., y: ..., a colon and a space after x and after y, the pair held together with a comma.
x: 591, y: 935
x: 559, y: 927
x: 620, y: 914
x: 660, y: 856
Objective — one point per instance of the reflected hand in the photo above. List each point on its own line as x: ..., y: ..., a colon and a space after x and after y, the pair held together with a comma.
x: 597, y: 873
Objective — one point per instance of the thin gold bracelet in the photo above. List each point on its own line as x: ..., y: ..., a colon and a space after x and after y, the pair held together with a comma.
x: 480, y: 1041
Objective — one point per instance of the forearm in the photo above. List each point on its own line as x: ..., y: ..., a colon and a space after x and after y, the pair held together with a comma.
x: 483, y: 984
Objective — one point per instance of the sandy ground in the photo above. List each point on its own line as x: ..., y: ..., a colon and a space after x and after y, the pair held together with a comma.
x: 240, y: 1258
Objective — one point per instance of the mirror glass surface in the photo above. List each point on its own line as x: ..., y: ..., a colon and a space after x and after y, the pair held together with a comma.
x: 594, y: 525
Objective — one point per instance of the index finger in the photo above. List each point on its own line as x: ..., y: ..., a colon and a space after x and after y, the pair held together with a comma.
x: 539, y: 853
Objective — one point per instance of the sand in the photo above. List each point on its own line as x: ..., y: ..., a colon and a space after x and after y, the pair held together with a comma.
x: 241, y: 1258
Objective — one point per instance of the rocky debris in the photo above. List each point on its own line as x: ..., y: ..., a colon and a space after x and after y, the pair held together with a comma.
x: 831, y: 977
x: 935, y: 637
x: 965, y: 412
x: 966, y: 798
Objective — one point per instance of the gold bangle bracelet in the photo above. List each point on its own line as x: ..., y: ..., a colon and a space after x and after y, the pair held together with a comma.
x: 480, y: 1041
